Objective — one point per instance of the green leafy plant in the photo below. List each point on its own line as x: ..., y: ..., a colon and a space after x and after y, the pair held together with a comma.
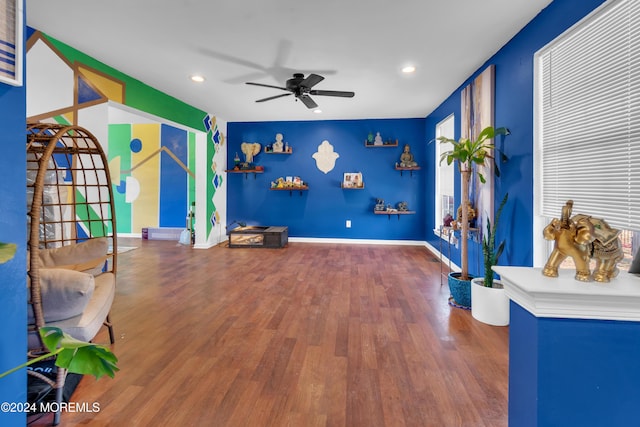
x: 7, y: 251
x: 469, y: 154
x: 489, y: 252
x: 76, y: 356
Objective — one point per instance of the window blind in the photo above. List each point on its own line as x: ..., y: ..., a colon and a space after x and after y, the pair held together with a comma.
x: 588, y: 117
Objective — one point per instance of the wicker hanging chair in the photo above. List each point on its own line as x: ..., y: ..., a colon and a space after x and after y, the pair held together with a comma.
x: 71, y: 207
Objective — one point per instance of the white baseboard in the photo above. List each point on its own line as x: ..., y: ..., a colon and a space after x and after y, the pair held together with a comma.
x: 132, y: 235
x: 443, y: 258
x: 357, y: 241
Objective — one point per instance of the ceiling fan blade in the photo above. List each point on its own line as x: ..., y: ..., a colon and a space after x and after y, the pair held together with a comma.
x: 340, y: 93
x: 255, y: 75
x: 264, y: 85
x: 283, y: 52
x: 306, y: 100
x: 231, y: 59
x: 273, y: 97
x: 311, y: 81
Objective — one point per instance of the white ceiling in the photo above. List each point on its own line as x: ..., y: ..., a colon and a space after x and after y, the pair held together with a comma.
x: 357, y: 45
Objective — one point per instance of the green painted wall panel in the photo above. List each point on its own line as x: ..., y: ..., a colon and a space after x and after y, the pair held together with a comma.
x: 119, y: 140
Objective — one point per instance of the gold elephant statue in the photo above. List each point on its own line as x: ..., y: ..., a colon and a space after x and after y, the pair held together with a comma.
x: 583, y: 238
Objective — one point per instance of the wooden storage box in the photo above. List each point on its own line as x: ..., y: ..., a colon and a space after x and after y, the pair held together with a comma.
x: 258, y: 237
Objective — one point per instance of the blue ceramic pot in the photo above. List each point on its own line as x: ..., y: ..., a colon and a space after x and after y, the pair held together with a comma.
x: 460, y: 289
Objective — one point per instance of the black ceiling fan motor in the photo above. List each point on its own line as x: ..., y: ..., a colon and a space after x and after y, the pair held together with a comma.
x: 301, y: 87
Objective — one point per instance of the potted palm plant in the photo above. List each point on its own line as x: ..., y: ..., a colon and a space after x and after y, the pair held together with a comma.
x: 490, y: 303
x: 469, y: 155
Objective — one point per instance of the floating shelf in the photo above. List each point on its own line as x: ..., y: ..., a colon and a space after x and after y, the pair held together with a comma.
x: 245, y: 171
x: 401, y: 169
x: 389, y: 213
x: 351, y: 188
x: 291, y: 189
x: 278, y: 152
x: 385, y: 144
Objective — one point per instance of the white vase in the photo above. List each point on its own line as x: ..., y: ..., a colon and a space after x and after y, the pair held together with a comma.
x: 489, y: 305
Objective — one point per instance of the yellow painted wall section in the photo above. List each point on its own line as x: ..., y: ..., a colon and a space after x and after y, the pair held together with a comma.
x: 146, y: 170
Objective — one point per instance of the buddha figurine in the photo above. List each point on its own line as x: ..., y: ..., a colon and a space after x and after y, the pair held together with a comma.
x: 406, y: 159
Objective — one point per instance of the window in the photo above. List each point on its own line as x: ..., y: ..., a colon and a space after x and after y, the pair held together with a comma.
x: 444, y: 175
x: 587, y: 121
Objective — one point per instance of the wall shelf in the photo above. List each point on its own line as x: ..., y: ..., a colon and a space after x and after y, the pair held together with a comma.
x: 385, y: 144
x: 401, y: 169
x: 389, y: 213
x: 291, y: 189
x: 245, y: 172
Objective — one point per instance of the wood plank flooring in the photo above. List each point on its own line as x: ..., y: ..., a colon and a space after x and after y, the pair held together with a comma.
x: 310, y: 335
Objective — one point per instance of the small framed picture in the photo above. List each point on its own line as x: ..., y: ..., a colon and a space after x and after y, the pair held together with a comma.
x: 352, y: 180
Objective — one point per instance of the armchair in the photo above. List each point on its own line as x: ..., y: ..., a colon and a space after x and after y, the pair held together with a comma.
x: 72, y: 237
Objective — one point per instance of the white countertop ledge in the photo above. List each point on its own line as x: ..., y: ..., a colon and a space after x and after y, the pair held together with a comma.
x: 565, y: 297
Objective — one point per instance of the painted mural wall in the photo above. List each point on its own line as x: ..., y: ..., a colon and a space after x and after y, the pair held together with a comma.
x: 321, y: 153
x: 150, y: 138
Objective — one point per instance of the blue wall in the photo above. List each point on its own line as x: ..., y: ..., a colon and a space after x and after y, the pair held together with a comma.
x: 514, y: 110
x: 174, y: 181
x: 323, y: 210
x: 13, y: 292
x: 572, y: 372
x: 312, y: 216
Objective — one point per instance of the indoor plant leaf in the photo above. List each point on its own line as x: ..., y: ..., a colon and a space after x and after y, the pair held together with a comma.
x: 78, y: 356
x: 7, y: 251
x: 490, y: 253
x: 468, y: 153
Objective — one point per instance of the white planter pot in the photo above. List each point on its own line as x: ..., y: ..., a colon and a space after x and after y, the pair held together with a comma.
x: 489, y: 305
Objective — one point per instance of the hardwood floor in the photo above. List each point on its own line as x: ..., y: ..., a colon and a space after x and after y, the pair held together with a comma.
x: 309, y: 335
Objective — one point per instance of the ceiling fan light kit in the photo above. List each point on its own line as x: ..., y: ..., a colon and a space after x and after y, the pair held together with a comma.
x: 301, y: 87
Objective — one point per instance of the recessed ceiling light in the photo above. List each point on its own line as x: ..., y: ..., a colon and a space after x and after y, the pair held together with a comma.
x: 197, y: 78
x: 409, y: 69
x: 317, y: 111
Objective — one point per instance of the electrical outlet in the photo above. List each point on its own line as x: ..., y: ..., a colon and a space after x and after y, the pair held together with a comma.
x: 348, y: 223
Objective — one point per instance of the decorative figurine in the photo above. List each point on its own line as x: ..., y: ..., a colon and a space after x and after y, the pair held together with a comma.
x: 447, y: 220
x: 278, y: 183
x: 582, y: 237
x: 378, y: 139
x: 278, y: 146
x: 403, y: 206
x: 406, y: 158
x: 379, y: 205
x: 471, y: 215
x: 249, y: 151
x: 288, y: 182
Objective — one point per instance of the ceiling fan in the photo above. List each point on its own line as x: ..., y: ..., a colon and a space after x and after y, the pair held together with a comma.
x: 300, y: 86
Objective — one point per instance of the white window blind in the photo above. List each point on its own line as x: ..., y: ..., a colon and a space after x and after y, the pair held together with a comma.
x: 588, y: 117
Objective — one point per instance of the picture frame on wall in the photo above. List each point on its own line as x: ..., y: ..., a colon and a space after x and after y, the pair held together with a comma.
x: 352, y: 180
x: 11, y: 42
